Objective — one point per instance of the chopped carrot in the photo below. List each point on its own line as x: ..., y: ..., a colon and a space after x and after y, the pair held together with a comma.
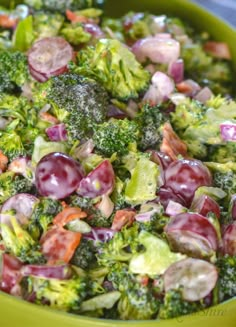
x: 172, y: 144
x: 48, y: 117
x: 58, y: 244
x: 68, y: 214
x: 122, y: 218
x: 3, y: 161
x: 7, y: 21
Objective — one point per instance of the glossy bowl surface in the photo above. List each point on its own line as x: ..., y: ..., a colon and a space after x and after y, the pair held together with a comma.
x: 17, y: 313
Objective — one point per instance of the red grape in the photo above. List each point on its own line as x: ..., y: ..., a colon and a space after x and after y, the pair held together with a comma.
x: 184, y: 176
x: 192, y: 234
x: 57, y: 175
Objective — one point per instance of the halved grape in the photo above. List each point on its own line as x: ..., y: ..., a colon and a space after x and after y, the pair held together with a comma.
x: 22, y: 205
x: 49, y: 57
x: 192, y: 234
x: 98, y: 182
x: 197, y: 278
x: 205, y: 205
x: 184, y: 176
x: 229, y: 239
x: 57, y: 175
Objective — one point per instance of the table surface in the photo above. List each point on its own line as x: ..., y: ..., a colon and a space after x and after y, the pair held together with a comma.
x: 223, y: 8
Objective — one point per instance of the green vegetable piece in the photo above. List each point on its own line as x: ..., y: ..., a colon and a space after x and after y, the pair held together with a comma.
x: 78, y: 225
x: 75, y: 34
x: 24, y: 34
x: 42, y: 148
x: 115, y: 67
x: 142, y: 186
x: 104, y: 301
x: 227, y: 277
x: 156, y: 258
x: 19, y: 242
x: 64, y: 295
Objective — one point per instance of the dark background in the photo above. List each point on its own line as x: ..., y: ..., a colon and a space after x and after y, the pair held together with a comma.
x: 223, y: 8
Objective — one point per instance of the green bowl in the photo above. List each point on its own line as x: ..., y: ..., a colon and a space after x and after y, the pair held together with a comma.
x: 17, y: 313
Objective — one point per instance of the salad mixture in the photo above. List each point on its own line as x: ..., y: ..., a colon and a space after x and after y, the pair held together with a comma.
x: 117, y: 161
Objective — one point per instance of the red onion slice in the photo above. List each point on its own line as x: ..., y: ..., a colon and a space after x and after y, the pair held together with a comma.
x: 161, y: 88
x: 176, y: 70
x: 228, y: 131
x: 47, y: 271
x: 158, y: 49
x: 204, y: 95
x: 57, y: 133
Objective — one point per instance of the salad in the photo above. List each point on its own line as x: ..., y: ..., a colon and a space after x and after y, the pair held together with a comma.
x: 117, y: 161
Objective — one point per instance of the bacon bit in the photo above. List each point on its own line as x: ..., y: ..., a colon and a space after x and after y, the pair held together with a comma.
x: 59, y: 244
x: 75, y: 18
x: 122, y: 218
x: 172, y: 144
x: 184, y: 87
x: 7, y: 21
x: 3, y: 161
x: 218, y: 49
x: 49, y: 118
x: 68, y: 214
x: 144, y: 280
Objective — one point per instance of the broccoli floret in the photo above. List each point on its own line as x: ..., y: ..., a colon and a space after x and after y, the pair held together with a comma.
x: 84, y: 256
x: 13, y: 70
x: 175, y: 306
x: 47, y: 25
x: 62, y: 5
x: 115, y: 136
x: 199, y: 126
x: 11, y: 184
x: 19, y: 243
x: 156, y: 219
x: 22, y: 126
x: 44, y: 212
x: 75, y: 34
x: 11, y: 144
x: 224, y: 176
x: 120, y: 248
x: 150, y: 120
x: 94, y: 218
x: 66, y: 295
x: 227, y: 277
x: 139, y: 25
x: 137, y: 301
x: 78, y: 102
x: 115, y: 67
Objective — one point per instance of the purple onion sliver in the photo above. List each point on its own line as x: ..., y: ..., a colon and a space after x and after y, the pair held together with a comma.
x: 94, y: 30
x: 228, y: 131
x: 100, y: 234
x: 204, y: 95
x: 233, y: 207
x: 176, y: 70
x: 57, y: 133
x: 59, y: 272
x: 174, y: 208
